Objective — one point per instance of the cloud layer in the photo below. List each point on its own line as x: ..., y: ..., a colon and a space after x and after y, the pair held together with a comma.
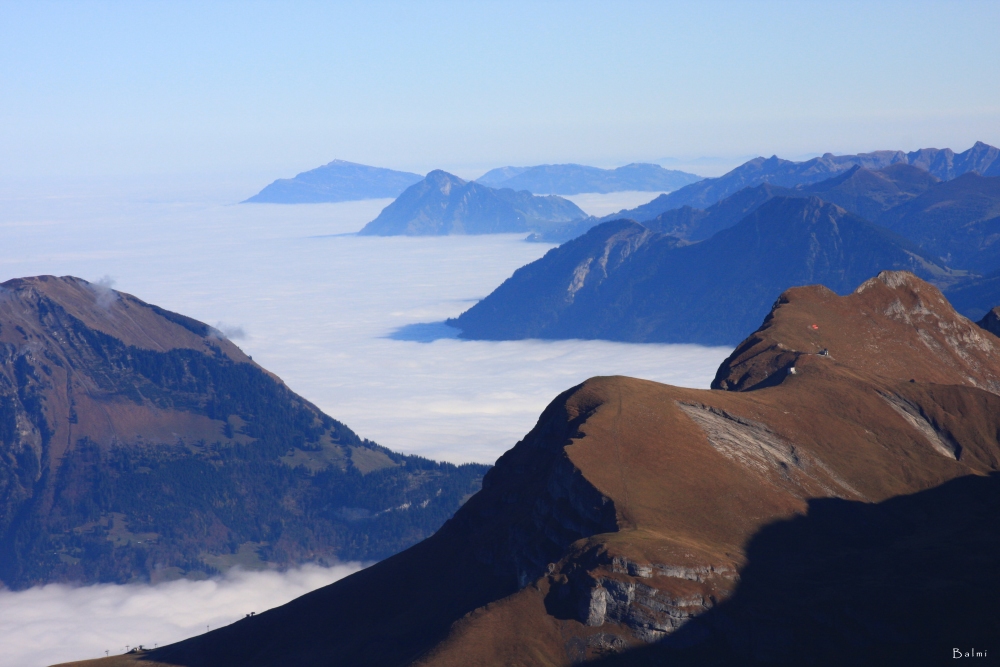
x: 58, y: 623
x: 318, y: 306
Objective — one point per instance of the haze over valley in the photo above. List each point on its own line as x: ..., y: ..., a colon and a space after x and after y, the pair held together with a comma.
x: 341, y: 321
x: 435, y: 334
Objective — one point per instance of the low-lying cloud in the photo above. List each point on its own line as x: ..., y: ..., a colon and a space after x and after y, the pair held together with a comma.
x: 231, y: 331
x: 58, y: 623
x: 318, y: 310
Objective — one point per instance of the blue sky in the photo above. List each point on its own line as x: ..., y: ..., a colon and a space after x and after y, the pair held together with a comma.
x: 264, y: 90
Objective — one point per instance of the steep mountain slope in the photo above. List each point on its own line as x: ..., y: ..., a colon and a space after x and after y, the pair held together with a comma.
x: 976, y: 295
x: 958, y: 221
x: 141, y: 444
x: 571, y: 179
x: 943, y: 164
x: 640, y: 523
x: 634, y: 285
x: 869, y: 194
x: 445, y: 204
x: 336, y: 181
x: 698, y: 224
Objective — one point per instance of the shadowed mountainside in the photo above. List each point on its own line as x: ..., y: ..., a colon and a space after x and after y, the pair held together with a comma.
x: 571, y: 179
x: 851, y: 450
x: 853, y: 583
x: 140, y: 444
x: 622, y: 281
x: 991, y: 321
x: 958, y: 221
x: 445, y: 204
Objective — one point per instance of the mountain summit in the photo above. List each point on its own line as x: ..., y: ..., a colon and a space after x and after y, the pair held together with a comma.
x: 849, y: 454
x: 445, y: 204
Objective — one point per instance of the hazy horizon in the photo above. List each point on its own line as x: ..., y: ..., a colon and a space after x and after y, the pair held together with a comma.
x: 264, y: 91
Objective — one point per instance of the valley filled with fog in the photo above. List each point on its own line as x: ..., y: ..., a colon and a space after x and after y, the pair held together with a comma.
x: 351, y: 323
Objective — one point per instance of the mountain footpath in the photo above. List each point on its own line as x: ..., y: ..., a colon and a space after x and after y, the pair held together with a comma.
x: 835, y: 489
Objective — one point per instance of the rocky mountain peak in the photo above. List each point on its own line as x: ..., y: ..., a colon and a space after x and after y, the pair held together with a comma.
x: 894, y: 326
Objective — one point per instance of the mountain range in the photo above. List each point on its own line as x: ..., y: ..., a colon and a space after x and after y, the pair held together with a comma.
x: 445, y: 204
x: 835, y: 491
x: 335, y: 182
x: 141, y: 445
x: 692, y: 275
x: 571, y: 179
x: 623, y: 281
x: 943, y: 164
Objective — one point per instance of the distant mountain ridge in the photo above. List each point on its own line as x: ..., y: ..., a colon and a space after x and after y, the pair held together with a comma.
x: 571, y: 179
x: 137, y: 444
x: 865, y: 193
x: 443, y: 203
x: 336, y: 181
x: 958, y: 220
x: 947, y: 232
x: 944, y: 164
x: 623, y: 281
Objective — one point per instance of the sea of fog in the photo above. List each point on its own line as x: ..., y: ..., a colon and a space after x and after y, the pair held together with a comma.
x: 351, y: 323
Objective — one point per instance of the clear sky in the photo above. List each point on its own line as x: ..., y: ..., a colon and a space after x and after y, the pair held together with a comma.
x: 267, y: 89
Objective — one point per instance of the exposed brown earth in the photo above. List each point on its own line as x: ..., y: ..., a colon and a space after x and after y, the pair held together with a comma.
x: 832, y: 501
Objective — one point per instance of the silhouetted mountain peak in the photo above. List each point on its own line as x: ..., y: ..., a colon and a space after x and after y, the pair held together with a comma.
x: 336, y: 181
x: 443, y: 203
